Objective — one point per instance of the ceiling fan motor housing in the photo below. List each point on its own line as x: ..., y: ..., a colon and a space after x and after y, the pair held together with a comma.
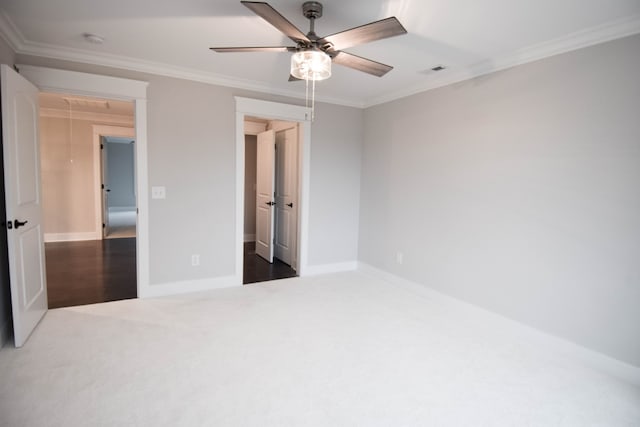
x: 312, y: 9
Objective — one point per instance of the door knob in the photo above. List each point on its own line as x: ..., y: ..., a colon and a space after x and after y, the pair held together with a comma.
x: 270, y: 203
x: 18, y: 224
x: 290, y: 204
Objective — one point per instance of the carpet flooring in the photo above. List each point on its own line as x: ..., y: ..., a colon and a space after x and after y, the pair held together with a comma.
x: 335, y: 350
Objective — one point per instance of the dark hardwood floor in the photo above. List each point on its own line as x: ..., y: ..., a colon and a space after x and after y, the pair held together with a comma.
x: 257, y: 269
x: 90, y: 272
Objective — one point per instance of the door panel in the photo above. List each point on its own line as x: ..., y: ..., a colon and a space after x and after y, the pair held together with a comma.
x: 265, y: 182
x: 286, y: 195
x: 23, y: 203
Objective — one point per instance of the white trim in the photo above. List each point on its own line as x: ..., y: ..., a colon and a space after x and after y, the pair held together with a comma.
x: 71, y: 82
x: 541, y: 339
x: 249, y: 237
x: 121, y: 208
x: 98, y: 131
x: 190, y: 286
x: 274, y: 110
x: 338, y: 267
x: 72, y: 237
x: 624, y: 27
x: 115, y: 119
x: 54, y: 80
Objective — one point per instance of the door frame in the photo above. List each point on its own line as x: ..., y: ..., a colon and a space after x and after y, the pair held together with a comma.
x: 274, y: 111
x: 98, y: 132
x: 76, y: 83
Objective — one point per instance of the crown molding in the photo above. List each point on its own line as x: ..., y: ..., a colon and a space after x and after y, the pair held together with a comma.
x: 113, y: 119
x: 10, y: 33
x: 21, y: 46
x: 588, y: 37
x: 625, y: 27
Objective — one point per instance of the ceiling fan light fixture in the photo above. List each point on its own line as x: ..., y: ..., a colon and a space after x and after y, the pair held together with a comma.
x: 311, y: 65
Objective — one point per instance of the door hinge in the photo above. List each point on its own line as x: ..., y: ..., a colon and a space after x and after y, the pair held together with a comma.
x: 101, y: 146
x: 104, y: 225
x: 102, y: 186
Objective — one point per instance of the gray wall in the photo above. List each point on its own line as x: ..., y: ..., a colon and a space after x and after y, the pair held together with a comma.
x: 121, y: 167
x: 250, y: 163
x: 335, y: 184
x: 191, y: 138
x: 519, y: 192
x: 7, y: 56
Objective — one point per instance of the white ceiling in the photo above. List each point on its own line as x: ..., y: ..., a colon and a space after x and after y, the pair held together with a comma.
x: 469, y: 37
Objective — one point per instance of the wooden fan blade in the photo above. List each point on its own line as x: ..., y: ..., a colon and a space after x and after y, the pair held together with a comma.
x: 383, y: 29
x: 253, y: 49
x: 361, y: 64
x: 269, y: 14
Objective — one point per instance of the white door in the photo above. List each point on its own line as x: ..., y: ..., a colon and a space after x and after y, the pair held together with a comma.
x: 286, y: 191
x: 24, y: 210
x: 105, y: 187
x: 265, y: 182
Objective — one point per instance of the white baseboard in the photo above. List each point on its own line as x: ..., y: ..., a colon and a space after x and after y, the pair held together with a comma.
x: 189, y: 286
x: 71, y: 237
x: 5, y: 331
x: 249, y: 237
x: 312, y: 270
x: 122, y: 208
x: 541, y: 339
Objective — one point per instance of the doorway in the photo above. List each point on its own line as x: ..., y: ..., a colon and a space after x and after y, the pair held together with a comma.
x: 271, y: 200
x: 89, y: 200
x: 118, y: 211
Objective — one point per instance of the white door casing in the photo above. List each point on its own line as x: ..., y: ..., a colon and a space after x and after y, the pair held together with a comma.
x: 286, y: 195
x: 63, y: 81
x: 265, y: 184
x: 104, y: 186
x: 247, y: 107
x: 98, y: 132
x: 21, y: 149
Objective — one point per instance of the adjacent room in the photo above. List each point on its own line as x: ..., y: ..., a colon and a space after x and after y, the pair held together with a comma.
x: 300, y: 213
x: 87, y: 167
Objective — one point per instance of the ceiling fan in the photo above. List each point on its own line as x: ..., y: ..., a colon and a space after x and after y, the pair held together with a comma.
x: 313, y: 55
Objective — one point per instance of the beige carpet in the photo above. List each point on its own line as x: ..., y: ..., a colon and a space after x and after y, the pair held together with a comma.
x: 335, y: 350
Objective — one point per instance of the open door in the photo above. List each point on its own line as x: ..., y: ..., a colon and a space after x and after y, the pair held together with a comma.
x: 265, y: 185
x: 21, y: 149
x: 286, y: 195
x: 105, y: 187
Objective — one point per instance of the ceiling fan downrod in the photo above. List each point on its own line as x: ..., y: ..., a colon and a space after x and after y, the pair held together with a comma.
x: 312, y: 10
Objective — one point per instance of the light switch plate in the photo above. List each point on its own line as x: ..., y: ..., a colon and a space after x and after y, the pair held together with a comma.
x: 158, y: 193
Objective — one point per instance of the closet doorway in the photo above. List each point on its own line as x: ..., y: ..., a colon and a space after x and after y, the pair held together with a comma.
x: 271, y: 200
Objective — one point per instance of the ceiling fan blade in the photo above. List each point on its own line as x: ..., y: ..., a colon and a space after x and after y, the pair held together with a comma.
x: 383, y: 29
x: 361, y: 64
x: 293, y: 79
x: 269, y: 14
x: 253, y: 49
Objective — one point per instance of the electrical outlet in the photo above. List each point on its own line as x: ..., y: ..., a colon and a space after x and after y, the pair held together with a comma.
x: 399, y: 257
x: 195, y: 260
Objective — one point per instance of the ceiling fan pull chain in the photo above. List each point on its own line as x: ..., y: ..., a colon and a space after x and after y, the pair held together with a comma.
x: 313, y: 100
